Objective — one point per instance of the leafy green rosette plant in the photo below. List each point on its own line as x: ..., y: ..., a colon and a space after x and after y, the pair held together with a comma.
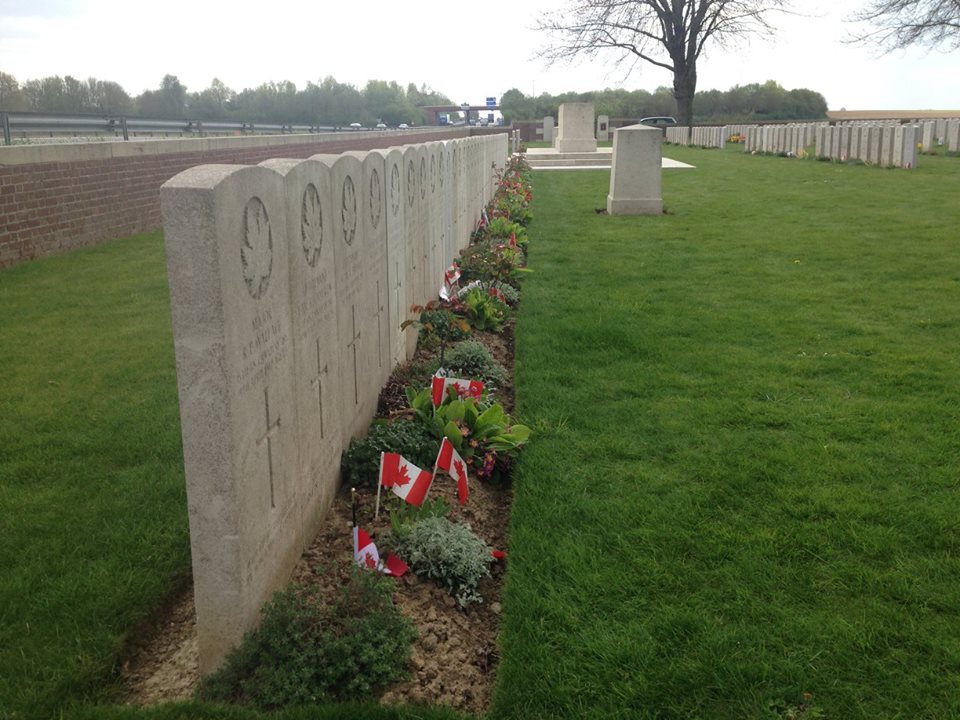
x: 484, y: 435
x: 483, y: 310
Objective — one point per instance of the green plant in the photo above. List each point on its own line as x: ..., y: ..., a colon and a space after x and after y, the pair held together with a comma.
x: 308, y: 650
x: 403, y: 515
x: 361, y: 461
x: 510, y: 294
x: 471, y: 359
x: 483, y: 310
x: 449, y: 553
x: 503, y: 228
x: 439, y: 325
x: 492, y: 261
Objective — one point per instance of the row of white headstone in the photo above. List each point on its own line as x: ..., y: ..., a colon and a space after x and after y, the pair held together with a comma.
x: 887, y: 144
x: 707, y: 137
x: 289, y: 281
x: 780, y: 139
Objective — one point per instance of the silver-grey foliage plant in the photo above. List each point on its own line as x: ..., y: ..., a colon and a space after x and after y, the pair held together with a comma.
x: 449, y: 553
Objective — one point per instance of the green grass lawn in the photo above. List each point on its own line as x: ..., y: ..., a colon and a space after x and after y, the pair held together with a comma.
x: 745, y: 484
x: 92, y: 501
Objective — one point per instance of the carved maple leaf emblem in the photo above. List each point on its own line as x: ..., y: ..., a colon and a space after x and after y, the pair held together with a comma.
x: 403, y: 477
x: 256, y: 253
x: 459, y: 470
x: 395, y: 189
x: 376, y: 199
x: 311, y: 225
x: 349, y: 211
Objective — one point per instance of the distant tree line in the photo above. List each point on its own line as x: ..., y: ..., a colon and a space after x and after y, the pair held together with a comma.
x: 741, y: 103
x: 325, y: 103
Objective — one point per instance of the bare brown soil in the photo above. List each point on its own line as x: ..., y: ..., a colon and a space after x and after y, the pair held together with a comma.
x: 454, y: 659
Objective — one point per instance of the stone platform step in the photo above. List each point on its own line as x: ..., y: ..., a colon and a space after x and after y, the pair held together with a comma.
x: 565, y: 161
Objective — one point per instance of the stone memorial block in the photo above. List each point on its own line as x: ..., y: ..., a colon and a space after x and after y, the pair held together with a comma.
x: 374, y: 212
x: 823, y: 141
x: 395, y: 205
x: 953, y: 135
x: 412, y: 239
x: 844, y: 153
x: 356, y: 288
x: 228, y: 270
x: 427, y: 242
x: 416, y: 192
x: 835, y: 143
x: 435, y: 218
x: 635, y: 182
x: 549, y: 131
x: 941, y: 131
x: 907, y: 154
x: 886, y: 146
x: 603, y: 128
x: 929, y: 136
x: 876, y: 139
x: 313, y: 322
x: 576, y: 128
x: 447, y: 201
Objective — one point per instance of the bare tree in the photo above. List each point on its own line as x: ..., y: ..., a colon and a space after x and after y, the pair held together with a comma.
x: 896, y: 24
x: 670, y: 34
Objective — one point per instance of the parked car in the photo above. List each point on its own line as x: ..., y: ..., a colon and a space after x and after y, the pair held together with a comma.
x: 660, y: 121
x: 403, y: 126
x: 381, y: 126
x: 355, y: 126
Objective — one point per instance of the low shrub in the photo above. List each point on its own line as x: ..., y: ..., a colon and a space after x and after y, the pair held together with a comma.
x: 471, y: 359
x: 449, y: 553
x: 309, y: 651
x: 361, y: 461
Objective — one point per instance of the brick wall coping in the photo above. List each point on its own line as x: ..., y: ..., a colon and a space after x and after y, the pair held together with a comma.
x: 105, y: 150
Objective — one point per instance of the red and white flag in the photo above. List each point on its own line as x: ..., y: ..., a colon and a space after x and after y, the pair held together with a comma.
x: 449, y: 460
x: 406, y: 479
x: 465, y: 388
x: 366, y: 555
x: 452, y: 274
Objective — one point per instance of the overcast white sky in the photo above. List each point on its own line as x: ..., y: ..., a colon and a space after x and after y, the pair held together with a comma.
x: 467, y: 50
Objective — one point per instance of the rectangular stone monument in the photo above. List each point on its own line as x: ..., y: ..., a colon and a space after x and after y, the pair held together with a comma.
x: 635, y: 182
x: 413, y: 293
x: 373, y: 212
x: 313, y: 322
x: 357, y: 333
x: 929, y: 136
x: 603, y: 128
x: 576, y: 128
x: 228, y: 269
x: 398, y: 306
x: 886, y: 146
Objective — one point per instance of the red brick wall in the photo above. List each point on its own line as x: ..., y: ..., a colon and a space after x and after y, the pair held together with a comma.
x: 53, y: 207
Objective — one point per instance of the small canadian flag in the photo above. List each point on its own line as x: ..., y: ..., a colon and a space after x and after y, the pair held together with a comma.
x: 452, y: 274
x: 366, y: 555
x: 449, y: 460
x: 465, y: 388
x: 406, y: 479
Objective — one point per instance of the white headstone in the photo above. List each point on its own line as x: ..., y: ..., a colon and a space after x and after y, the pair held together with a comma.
x: 313, y: 321
x: 227, y: 264
x: 635, y: 182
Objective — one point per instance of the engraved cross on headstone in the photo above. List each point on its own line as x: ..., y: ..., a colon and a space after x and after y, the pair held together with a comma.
x: 379, y: 315
x: 318, y: 384
x: 398, y: 287
x: 271, y: 431
x: 353, y: 344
